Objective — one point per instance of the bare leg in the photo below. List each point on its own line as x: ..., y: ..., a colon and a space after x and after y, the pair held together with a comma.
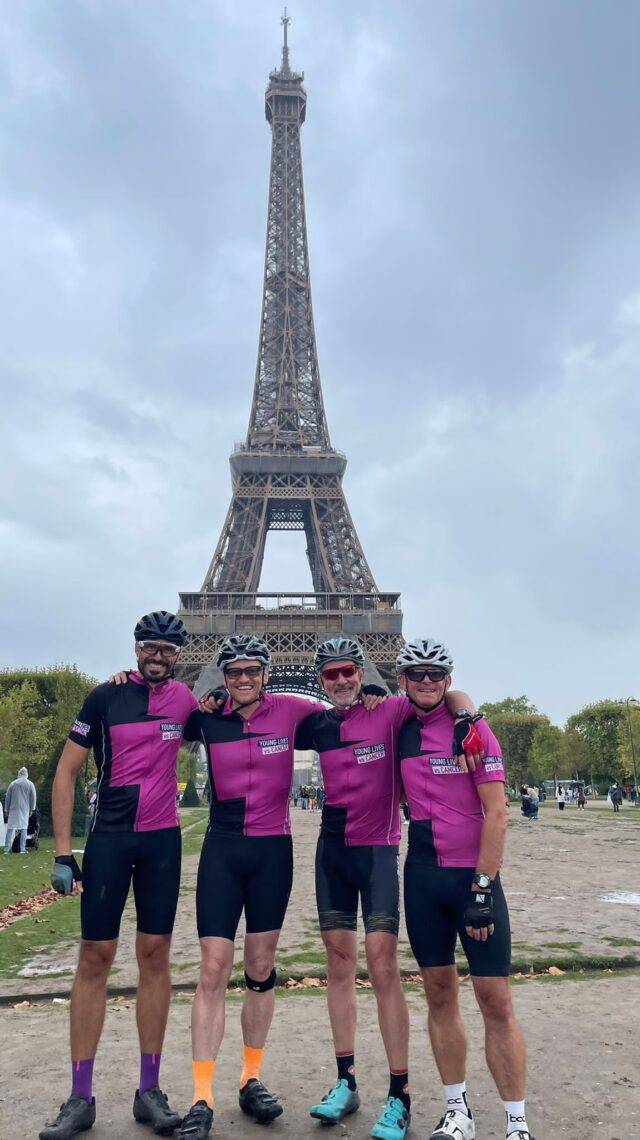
x: 393, y: 1015
x: 342, y: 958
x: 504, y: 1043
x: 207, y: 1018
x: 89, y: 997
x: 154, y: 990
x: 446, y: 1029
x: 257, y: 1008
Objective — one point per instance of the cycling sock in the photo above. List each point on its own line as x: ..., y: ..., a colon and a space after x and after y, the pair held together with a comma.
x: 82, y: 1078
x: 456, y: 1098
x: 346, y: 1069
x: 399, y: 1087
x: 149, y: 1071
x: 203, y: 1081
x: 251, y: 1061
x: 516, y: 1120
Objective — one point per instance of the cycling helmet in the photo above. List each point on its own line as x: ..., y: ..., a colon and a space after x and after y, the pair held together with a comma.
x: 160, y: 625
x: 338, y: 649
x: 424, y: 651
x: 242, y: 647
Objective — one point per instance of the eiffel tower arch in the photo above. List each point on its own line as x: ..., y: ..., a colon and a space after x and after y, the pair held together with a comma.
x: 286, y: 475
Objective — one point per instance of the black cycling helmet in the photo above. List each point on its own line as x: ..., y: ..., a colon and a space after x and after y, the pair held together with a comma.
x: 338, y: 649
x: 243, y: 647
x: 160, y: 625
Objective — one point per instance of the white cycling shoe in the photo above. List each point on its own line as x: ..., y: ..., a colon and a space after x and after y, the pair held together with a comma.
x: 455, y: 1126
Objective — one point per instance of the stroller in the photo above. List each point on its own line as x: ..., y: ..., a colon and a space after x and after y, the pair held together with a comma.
x: 33, y: 833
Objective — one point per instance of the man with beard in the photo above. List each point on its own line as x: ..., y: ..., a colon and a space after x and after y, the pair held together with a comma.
x: 135, y: 731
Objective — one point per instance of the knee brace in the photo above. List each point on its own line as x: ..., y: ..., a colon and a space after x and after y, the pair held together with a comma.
x: 260, y: 987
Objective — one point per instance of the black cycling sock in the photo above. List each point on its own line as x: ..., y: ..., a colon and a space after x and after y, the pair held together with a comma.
x: 399, y: 1087
x: 346, y: 1069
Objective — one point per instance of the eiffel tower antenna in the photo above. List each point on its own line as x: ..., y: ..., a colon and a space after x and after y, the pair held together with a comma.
x: 286, y: 475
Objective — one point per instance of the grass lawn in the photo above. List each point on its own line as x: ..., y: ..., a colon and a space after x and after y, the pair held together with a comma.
x: 24, y: 875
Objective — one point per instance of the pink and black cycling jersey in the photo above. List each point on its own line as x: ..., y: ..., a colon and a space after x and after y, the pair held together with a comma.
x: 444, y: 805
x: 135, y: 732
x: 359, y: 759
x: 251, y: 763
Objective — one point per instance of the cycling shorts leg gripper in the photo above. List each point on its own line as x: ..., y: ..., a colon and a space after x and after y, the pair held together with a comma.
x: 260, y: 987
x: 336, y: 893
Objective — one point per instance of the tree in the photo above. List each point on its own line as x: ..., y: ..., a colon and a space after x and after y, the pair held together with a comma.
x: 548, y: 758
x: 598, y: 725
x: 514, y: 721
x: 520, y: 706
x: 190, y: 797
x: 80, y: 808
x: 24, y: 732
x: 628, y: 727
x: 37, y: 708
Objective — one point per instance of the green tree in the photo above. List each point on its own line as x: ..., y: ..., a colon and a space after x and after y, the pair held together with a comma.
x: 598, y: 725
x: 514, y: 721
x: 548, y: 758
x: 24, y: 732
x: 629, y: 727
x: 80, y: 808
x: 520, y: 706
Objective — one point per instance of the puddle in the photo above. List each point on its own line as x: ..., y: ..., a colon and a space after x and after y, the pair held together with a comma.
x: 43, y: 965
x: 625, y: 898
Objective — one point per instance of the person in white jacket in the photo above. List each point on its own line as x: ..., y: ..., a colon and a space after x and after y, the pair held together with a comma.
x: 19, y: 802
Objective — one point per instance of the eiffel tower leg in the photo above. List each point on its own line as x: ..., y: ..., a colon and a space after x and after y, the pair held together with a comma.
x: 237, y: 562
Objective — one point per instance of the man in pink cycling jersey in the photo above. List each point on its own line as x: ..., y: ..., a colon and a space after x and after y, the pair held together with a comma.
x: 452, y: 889
x: 357, y: 861
x: 246, y: 864
x: 135, y: 731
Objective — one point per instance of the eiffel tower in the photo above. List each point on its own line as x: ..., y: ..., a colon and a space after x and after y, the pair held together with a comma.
x: 286, y: 475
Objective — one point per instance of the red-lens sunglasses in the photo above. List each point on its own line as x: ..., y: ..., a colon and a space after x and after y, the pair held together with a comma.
x: 332, y: 674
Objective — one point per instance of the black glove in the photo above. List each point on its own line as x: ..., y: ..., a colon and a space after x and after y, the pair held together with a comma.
x: 374, y: 691
x: 65, y: 872
x: 478, y: 912
x: 465, y: 735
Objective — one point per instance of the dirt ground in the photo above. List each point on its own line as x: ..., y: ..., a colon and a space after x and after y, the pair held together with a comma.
x: 584, y: 1053
x: 584, y: 1056
x: 559, y: 874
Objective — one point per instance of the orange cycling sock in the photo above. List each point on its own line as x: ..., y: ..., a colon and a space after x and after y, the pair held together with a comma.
x: 251, y: 1061
x: 203, y: 1081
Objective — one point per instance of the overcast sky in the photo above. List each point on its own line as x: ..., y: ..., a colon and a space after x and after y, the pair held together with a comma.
x: 472, y: 177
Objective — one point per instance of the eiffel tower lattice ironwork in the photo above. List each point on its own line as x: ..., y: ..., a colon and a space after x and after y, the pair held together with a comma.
x: 286, y: 475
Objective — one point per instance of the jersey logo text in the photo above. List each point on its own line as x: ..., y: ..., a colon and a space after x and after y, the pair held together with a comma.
x: 269, y: 747
x: 171, y: 731
x: 493, y: 764
x: 445, y: 766
x: 81, y: 728
x: 369, y: 752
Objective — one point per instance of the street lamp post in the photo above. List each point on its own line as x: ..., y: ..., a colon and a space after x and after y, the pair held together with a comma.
x: 632, y: 701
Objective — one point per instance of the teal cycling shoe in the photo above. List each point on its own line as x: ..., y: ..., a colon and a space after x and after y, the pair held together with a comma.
x: 393, y: 1122
x: 341, y: 1101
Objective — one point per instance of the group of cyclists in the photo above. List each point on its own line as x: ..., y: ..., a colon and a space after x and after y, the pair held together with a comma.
x: 427, y: 744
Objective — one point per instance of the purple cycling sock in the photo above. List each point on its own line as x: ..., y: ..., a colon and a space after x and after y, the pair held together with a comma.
x: 149, y: 1071
x: 81, y: 1078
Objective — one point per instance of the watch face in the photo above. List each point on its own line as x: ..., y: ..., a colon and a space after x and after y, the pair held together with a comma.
x: 483, y: 881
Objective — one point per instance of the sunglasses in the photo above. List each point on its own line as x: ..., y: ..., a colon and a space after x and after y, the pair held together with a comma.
x: 151, y: 648
x: 339, y: 671
x: 250, y: 671
x: 419, y: 672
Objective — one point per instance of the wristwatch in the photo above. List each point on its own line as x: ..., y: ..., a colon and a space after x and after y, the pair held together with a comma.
x: 485, y: 882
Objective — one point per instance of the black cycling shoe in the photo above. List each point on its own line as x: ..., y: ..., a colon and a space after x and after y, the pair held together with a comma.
x: 258, y: 1102
x: 76, y: 1115
x: 198, y: 1121
x: 152, y: 1107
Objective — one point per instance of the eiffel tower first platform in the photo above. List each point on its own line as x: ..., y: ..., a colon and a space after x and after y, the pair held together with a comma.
x: 286, y: 475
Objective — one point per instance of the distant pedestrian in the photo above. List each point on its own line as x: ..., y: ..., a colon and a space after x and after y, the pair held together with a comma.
x: 582, y: 799
x: 3, y: 829
x: 19, y: 802
x: 561, y: 797
x: 614, y: 797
